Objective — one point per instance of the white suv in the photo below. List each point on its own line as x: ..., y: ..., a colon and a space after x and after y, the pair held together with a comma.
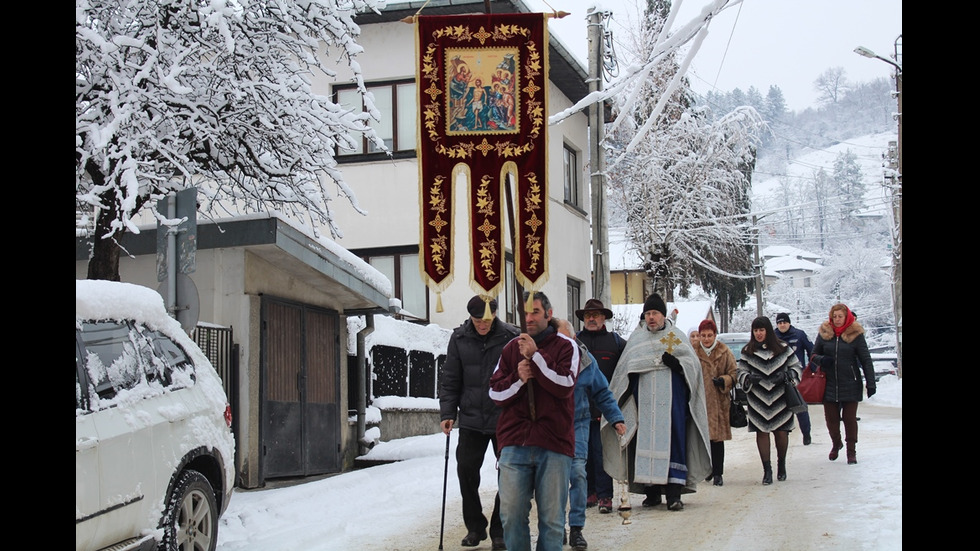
x: 154, y: 451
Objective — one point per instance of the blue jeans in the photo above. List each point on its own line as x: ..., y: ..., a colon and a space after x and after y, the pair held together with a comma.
x: 601, y: 483
x: 577, y: 495
x: 804, y: 419
x: 526, y: 471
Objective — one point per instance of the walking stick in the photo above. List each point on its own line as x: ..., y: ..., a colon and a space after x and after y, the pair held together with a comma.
x: 445, y: 476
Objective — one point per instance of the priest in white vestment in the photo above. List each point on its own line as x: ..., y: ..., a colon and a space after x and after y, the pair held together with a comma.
x: 660, y: 389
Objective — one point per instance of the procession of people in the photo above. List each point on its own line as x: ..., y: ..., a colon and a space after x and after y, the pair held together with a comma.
x: 650, y: 412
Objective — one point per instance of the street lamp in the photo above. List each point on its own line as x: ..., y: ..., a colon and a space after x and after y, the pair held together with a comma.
x: 861, y: 50
x: 897, y: 202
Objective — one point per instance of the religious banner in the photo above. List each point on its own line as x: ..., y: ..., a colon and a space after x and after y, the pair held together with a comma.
x: 482, y: 91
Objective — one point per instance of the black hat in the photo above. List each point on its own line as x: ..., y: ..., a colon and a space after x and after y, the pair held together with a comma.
x: 782, y: 316
x: 593, y: 304
x: 477, y: 306
x: 654, y: 302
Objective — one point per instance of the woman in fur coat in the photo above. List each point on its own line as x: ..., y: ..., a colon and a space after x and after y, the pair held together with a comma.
x: 842, y: 351
x: 718, y: 368
x: 765, y: 368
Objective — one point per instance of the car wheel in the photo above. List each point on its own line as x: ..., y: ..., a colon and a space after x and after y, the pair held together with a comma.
x: 191, y: 516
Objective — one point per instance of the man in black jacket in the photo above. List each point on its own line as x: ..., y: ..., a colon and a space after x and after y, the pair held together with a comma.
x: 464, y: 400
x: 606, y: 346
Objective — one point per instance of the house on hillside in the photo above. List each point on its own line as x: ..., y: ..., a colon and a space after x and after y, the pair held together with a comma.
x: 786, y: 263
x: 271, y: 301
x: 776, y: 251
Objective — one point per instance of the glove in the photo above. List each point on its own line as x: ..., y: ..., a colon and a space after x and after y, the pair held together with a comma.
x: 871, y: 390
x: 753, y: 379
x: 826, y: 361
x: 719, y: 382
x: 672, y: 362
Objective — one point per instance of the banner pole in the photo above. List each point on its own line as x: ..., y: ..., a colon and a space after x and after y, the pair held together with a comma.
x: 520, y: 288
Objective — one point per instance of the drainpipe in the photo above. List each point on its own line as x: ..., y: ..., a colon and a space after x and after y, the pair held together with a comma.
x: 362, y: 382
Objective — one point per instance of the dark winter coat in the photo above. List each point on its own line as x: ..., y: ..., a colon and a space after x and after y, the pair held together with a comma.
x: 465, y: 380
x: 607, y: 347
x: 847, y: 358
x: 798, y: 340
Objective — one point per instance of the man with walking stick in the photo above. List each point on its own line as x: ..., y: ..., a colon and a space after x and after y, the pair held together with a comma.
x: 471, y: 356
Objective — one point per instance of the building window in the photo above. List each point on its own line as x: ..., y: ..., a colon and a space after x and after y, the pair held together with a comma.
x: 396, y: 102
x: 573, y: 290
x: 571, y: 177
x: 401, y: 266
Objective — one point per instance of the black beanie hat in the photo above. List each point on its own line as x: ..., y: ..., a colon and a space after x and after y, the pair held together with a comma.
x: 782, y: 316
x: 477, y: 306
x: 654, y: 302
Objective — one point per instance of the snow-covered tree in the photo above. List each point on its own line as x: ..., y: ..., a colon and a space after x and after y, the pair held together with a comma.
x: 831, y: 85
x: 684, y: 186
x: 850, y: 185
x: 177, y: 93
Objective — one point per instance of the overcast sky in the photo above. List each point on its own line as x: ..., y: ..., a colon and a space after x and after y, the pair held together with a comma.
x: 787, y: 43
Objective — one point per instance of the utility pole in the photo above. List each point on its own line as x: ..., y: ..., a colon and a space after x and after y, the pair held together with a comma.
x: 760, y: 276
x: 896, y: 198
x: 597, y: 166
x: 897, y: 209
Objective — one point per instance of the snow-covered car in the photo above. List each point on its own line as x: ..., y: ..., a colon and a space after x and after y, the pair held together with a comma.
x: 885, y: 364
x: 154, y: 451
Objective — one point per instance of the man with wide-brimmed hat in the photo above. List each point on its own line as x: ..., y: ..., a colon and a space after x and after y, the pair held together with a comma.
x: 606, y: 346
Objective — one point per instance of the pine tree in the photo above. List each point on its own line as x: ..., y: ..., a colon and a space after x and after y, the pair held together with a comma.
x: 850, y: 187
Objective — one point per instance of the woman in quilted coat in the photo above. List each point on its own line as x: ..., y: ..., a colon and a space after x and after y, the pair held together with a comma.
x: 842, y: 351
x: 765, y: 367
x: 718, y: 368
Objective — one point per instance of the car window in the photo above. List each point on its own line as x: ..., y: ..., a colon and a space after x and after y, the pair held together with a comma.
x: 127, y: 361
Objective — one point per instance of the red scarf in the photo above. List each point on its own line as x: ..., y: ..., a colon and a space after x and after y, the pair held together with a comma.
x: 848, y: 320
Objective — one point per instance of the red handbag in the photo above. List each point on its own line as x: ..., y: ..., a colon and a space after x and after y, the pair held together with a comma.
x: 812, y: 385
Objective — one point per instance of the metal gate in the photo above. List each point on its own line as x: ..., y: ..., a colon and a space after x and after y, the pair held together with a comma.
x: 300, y: 391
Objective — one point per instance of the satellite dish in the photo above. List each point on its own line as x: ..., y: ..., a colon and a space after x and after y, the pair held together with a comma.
x: 187, y: 306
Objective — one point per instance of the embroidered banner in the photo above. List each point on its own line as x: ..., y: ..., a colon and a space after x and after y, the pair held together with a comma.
x: 482, y: 90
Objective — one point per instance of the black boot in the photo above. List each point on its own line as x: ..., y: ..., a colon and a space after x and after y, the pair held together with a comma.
x: 767, y: 472
x: 576, y: 540
x: 781, y: 468
x: 719, y: 481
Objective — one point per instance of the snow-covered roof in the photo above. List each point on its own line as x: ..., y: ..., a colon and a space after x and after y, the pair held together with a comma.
x: 774, y: 251
x: 622, y: 254
x: 791, y: 264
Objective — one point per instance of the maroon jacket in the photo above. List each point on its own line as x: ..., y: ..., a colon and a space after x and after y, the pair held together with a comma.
x: 555, y: 367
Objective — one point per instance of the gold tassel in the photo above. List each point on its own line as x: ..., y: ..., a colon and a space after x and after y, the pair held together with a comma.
x: 438, y: 302
x: 487, y: 314
x: 529, y: 305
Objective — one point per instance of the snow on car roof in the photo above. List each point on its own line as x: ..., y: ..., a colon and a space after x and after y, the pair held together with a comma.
x: 101, y: 299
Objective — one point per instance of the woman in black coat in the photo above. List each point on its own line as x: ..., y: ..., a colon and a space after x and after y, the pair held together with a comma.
x: 842, y: 351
